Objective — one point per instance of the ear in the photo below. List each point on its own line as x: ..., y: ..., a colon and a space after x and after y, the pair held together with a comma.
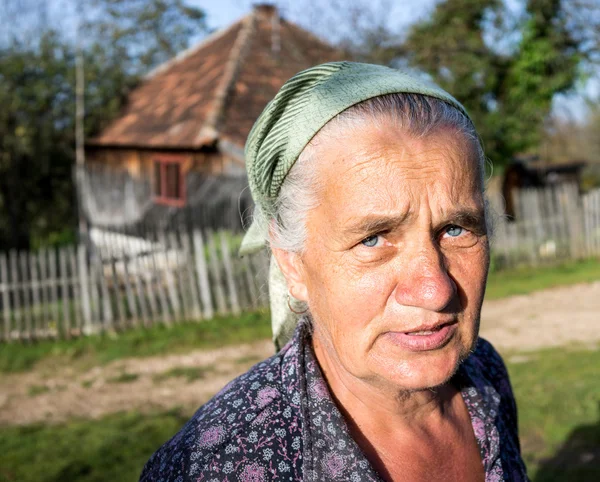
x: 290, y: 265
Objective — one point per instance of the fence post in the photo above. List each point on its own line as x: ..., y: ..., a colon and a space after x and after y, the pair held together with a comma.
x: 162, y: 297
x: 14, y: 281
x: 74, y: 280
x: 26, y: 294
x: 139, y: 289
x: 250, y: 281
x: 109, y: 248
x: 201, y: 268
x: 214, y: 263
x: 189, y: 271
x: 65, y: 297
x: 42, y: 257
x: 571, y: 196
x: 53, y: 289
x: 4, y: 287
x: 179, y: 279
x: 586, y: 224
x: 149, y: 311
x: 84, y: 289
x: 172, y: 292
x: 233, y: 296
x: 35, y: 289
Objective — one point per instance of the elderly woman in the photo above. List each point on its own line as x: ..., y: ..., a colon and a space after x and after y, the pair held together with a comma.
x: 369, y: 190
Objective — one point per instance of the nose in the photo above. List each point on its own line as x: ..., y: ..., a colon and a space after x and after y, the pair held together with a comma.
x: 424, y: 281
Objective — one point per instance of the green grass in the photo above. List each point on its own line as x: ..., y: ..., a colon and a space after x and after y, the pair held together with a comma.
x: 558, y: 397
x: 189, y: 373
x: 87, y: 383
x: 559, y: 417
x: 124, y: 378
x: 526, y: 280
x: 114, y: 448
x: 35, y: 390
x: 248, y: 359
x: 159, y: 340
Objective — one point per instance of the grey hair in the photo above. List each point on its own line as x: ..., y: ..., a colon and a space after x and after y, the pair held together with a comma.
x: 415, y: 114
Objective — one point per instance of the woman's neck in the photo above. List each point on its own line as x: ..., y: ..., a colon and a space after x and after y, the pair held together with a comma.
x: 373, y: 405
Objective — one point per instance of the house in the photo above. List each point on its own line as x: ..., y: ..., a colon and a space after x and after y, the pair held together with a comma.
x: 179, y: 140
x: 530, y: 172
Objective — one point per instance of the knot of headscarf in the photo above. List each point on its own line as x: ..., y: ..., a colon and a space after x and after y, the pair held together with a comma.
x: 304, y: 104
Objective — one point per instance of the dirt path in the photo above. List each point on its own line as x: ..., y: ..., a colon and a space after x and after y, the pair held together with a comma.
x: 143, y: 384
x: 554, y: 317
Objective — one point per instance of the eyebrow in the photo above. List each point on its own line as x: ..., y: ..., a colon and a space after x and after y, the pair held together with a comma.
x: 469, y: 218
x: 376, y: 224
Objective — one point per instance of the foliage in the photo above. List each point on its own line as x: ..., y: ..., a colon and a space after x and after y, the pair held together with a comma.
x: 37, y: 134
x: 157, y: 340
x: 568, y: 139
x: 505, y: 71
x: 504, y: 60
x: 145, y: 33
x: 37, y: 93
x: 36, y: 140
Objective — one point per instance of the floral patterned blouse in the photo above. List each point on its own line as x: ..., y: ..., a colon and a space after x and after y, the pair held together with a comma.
x: 278, y: 422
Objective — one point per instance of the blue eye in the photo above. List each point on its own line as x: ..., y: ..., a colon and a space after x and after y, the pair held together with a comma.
x: 371, y: 241
x: 454, y: 231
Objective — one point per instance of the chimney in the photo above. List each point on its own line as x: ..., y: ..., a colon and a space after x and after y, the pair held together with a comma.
x: 269, y: 12
x: 265, y: 9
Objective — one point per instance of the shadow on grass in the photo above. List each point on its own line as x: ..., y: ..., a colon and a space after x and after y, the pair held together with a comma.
x: 112, y: 449
x: 578, y: 460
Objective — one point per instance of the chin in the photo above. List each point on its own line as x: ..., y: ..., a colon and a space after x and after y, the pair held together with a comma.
x: 425, y: 370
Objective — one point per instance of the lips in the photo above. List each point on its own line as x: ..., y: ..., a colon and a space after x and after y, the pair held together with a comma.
x: 425, y: 337
x: 426, y: 330
x: 422, y: 333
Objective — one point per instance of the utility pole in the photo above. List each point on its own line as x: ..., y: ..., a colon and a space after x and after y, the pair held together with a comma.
x: 79, y: 120
x: 82, y: 250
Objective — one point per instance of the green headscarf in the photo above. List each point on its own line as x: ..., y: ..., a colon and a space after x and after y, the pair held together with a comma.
x: 305, y: 103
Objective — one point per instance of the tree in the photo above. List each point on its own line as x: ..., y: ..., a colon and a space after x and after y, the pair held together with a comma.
x: 37, y: 94
x: 360, y: 28
x: 506, y: 86
x: 36, y: 138
x: 145, y: 33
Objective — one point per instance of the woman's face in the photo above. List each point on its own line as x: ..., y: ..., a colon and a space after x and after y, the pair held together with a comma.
x: 396, y: 256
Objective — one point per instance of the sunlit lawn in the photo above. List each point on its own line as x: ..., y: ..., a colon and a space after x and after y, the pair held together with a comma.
x: 140, y: 342
x: 525, y: 280
x: 113, y: 449
x: 558, y: 396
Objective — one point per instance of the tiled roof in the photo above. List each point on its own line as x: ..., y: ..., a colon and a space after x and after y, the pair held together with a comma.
x: 216, y: 90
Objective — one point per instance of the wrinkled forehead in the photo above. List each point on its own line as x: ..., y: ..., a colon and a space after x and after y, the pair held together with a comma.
x: 353, y: 151
x: 373, y: 172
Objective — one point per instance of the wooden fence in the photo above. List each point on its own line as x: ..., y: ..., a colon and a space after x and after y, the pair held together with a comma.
x: 550, y: 225
x: 122, y: 281
x: 119, y: 280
